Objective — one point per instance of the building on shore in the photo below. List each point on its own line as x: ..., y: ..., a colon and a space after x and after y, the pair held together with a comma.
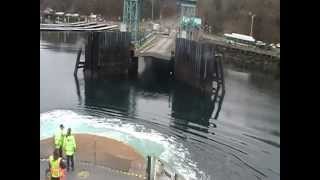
x: 59, y: 17
x: 92, y: 17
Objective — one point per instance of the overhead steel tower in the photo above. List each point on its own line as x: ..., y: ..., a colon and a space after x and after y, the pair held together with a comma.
x: 132, y: 13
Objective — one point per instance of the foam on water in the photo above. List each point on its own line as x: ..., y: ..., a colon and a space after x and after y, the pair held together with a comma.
x: 145, y: 141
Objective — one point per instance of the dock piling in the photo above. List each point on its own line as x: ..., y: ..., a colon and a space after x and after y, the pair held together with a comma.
x: 79, y: 64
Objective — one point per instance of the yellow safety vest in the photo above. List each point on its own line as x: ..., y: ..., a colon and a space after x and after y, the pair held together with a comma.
x: 59, y: 138
x: 69, y: 145
x: 55, y: 167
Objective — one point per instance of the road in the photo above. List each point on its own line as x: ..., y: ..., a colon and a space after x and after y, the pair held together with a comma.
x: 160, y: 47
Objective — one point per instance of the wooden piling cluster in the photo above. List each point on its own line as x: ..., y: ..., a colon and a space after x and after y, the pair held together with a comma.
x: 107, y: 54
x: 198, y: 64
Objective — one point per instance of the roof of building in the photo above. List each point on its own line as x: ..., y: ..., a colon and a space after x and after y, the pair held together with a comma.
x: 193, y: 1
x: 240, y: 36
x: 187, y: 2
x: 59, y: 13
x: 48, y: 11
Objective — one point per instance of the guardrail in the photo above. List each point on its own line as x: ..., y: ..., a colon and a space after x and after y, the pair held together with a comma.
x: 158, y: 169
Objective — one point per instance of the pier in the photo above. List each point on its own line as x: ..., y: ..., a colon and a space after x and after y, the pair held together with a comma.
x: 80, y: 27
x: 195, y: 58
x: 107, y: 54
x: 199, y: 65
x: 160, y: 46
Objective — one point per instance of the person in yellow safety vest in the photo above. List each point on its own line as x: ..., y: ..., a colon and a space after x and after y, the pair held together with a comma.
x: 59, y: 139
x: 56, y: 166
x: 69, y: 147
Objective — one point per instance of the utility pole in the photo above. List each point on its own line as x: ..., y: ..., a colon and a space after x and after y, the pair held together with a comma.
x: 252, y: 21
x: 152, y: 2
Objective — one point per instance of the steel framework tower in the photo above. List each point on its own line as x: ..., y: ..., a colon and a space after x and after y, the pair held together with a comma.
x: 132, y: 12
x: 188, y: 8
x: 188, y: 17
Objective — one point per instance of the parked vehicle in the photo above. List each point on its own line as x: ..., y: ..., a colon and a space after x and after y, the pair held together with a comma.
x: 240, y: 38
x: 261, y: 44
x: 273, y: 46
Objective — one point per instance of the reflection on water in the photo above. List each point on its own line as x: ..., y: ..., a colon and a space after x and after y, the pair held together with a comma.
x: 243, y: 142
x: 154, y: 83
x: 57, y: 38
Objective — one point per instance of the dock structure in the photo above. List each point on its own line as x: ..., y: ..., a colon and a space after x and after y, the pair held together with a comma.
x: 107, y: 54
x: 83, y: 29
x: 80, y: 22
x: 77, y: 24
x: 199, y: 65
x: 79, y: 63
x: 160, y: 46
x: 131, y: 16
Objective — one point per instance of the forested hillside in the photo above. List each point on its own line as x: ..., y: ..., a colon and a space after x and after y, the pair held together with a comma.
x: 222, y: 15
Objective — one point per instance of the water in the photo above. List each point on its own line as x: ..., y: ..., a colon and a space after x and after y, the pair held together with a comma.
x: 158, y: 116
